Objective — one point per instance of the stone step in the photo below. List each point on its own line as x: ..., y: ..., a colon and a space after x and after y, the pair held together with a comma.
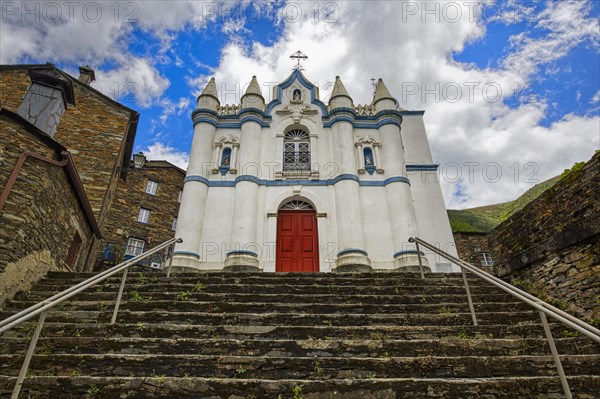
x: 299, y: 367
x: 290, y: 319
x: 309, y: 332
x: 286, y: 289
x: 286, y: 278
x: 71, y: 387
x: 139, y: 302
x: 99, y: 294
x: 383, y: 347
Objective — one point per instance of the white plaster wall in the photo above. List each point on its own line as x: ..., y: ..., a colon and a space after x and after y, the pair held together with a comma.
x: 414, y: 138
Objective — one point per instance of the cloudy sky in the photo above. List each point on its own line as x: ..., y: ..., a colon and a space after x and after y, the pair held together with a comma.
x: 511, y: 88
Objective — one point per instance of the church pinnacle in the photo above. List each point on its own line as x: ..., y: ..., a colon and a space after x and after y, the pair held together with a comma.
x: 209, y: 97
x: 383, y: 98
x: 253, y: 98
x: 339, y: 96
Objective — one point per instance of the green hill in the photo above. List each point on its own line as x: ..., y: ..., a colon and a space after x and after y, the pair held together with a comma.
x: 484, y: 218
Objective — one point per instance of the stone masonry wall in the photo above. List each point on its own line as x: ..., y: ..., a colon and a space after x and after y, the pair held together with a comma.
x: 470, y: 246
x: 93, y: 130
x: 131, y: 194
x: 552, y: 246
x: 40, y: 216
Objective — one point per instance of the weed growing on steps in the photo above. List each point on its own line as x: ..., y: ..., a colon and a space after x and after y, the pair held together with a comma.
x: 199, y: 287
x: 443, y: 310
x: 318, y: 368
x: 463, y: 334
x: 136, y: 297
x: 297, y: 391
x: 183, y: 295
x: 570, y: 334
x: 93, y: 391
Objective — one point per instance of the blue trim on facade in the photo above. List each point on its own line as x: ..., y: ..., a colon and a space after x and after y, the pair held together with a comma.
x: 407, y: 252
x: 242, y: 252
x: 287, y: 83
x: 327, y: 182
x: 189, y: 253
x: 352, y: 251
x: 422, y: 167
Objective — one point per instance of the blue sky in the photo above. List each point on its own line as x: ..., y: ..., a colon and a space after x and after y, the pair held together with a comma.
x: 167, y: 51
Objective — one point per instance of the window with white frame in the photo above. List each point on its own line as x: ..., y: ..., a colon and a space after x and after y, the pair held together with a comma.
x: 144, y: 215
x: 135, y: 247
x: 151, y: 187
x: 180, y: 195
x: 486, y: 259
x: 174, y: 225
x: 296, y: 151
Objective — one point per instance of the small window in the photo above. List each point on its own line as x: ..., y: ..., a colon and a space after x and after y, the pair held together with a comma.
x: 144, y: 215
x: 151, y: 187
x: 180, y: 195
x: 135, y: 247
x: 297, y: 95
x: 174, y: 225
x: 486, y: 259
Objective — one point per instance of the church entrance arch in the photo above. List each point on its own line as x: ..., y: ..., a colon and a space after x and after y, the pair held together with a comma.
x: 297, y: 238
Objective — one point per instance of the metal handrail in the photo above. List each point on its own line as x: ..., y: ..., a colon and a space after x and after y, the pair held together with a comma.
x: 41, y: 308
x: 544, y: 308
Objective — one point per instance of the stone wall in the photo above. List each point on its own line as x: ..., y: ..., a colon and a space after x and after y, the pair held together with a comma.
x: 471, y: 247
x: 96, y: 130
x: 41, y: 214
x: 122, y: 222
x: 552, y: 246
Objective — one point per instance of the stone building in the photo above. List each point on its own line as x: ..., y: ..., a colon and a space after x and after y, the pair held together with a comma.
x: 473, y: 247
x: 300, y: 185
x: 144, y: 212
x: 97, y: 131
x: 46, y: 222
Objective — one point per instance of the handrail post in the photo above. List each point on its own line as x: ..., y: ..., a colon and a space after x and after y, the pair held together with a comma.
x: 28, y: 356
x: 420, y: 261
x: 559, y: 367
x: 469, y: 299
x: 170, y: 260
x: 118, y: 303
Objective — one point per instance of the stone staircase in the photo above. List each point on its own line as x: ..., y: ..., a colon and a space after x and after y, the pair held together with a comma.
x: 291, y: 336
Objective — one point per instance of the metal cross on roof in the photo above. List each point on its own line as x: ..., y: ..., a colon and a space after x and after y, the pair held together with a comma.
x: 299, y: 55
x: 374, y: 84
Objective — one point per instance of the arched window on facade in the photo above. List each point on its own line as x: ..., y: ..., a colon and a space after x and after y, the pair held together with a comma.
x: 296, y: 151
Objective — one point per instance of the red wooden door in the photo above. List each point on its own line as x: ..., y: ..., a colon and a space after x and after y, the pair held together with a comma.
x: 297, y: 242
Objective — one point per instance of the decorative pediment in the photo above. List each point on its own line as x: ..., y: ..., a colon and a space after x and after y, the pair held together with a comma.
x: 297, y: 110
x: 368, y: 140
x: 229, y: 139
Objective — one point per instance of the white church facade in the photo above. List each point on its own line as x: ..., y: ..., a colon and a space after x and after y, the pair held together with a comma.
x: 297, y: 185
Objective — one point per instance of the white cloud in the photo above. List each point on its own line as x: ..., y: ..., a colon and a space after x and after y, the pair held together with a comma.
x: 160, y: 151
x: 380, y: 39
x: 170, y: 108
x: 98, y: 33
